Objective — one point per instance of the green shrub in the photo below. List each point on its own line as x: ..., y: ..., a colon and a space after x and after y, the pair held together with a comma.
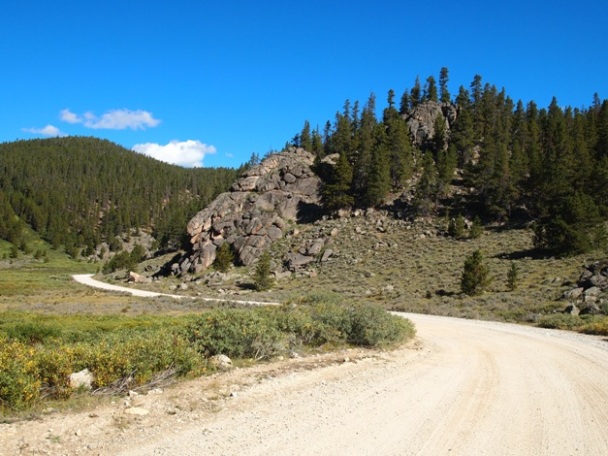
x: 560, y: 321
x: 32, y: 331
x: 238, y: 333
x: 598, y: 327
x: 38, y: 353
x: 456, y: 227
x: 224, y: 258
x: 372, y: 326
x: 306, y: 326
x: 139, y: 356
x: 476, y: 228
x: 19, y: 385
x: 55, y: 364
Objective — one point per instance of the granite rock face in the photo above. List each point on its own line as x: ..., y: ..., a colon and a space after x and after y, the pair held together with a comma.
x: 422, y: 120
x: 256, y: 211
x: 591, y: 292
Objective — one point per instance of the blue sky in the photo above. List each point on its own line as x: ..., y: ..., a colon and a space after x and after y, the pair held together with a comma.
x: 209, y: 83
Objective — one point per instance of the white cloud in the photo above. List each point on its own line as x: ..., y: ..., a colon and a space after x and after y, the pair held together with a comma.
x: 188, y: 153
x: 49, y: 130
x: 69, y: 117
x: 118, y: 119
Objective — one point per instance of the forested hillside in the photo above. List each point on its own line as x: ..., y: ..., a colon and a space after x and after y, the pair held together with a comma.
x: 77, y: 192
x: 510, y: 160
x: 477, y: 153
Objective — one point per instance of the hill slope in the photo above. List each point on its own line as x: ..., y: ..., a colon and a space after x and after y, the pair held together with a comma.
x: 79, y: 191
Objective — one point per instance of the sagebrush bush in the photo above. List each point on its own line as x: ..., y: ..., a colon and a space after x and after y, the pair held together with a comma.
x: 139, y: 356
x: 238, y: 333
x: 599, y: 327
x: 264, y: 332
x: 560, y: 321
x: 32, y: 332
x: 371, y: 326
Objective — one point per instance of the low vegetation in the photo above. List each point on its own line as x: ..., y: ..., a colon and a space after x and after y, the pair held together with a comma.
x: 38, y: 352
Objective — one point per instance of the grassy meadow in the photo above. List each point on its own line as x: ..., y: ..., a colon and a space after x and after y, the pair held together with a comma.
x: 51, y: 326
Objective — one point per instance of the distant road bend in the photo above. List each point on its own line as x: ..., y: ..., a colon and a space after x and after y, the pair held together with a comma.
x: 87, y: 279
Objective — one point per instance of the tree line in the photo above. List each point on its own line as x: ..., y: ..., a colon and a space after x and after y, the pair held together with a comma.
x: 78, y: 192
x: 547, y: 165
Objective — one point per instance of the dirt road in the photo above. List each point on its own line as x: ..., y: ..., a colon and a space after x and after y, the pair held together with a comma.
x: 88, y: 280
x: 464, y: 388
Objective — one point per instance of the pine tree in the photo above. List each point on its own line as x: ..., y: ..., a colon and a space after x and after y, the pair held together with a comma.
x: 416, y: 93
x: 305, y: 137
x: 462, y: 136
x: 446, y: 165
x: 404, y: 105
x: 512, y: 277
x: 475, y: 276
x: 336, y: 193
x: 379, y: 179
x: 365, y: 139
x: 223, y: 258
x: 401, y: 160
x: 391, y: 99
x: 570, y: 226
x: 262, y: 279
x: 317, y: 144
x: 430, y: 89
x: 518, y: 162
x: 426, y: 190
x: 444, y: 94
x: 601, y: 145
x: 341, y: 140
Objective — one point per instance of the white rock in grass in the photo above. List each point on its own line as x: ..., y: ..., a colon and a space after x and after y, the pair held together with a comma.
x: 221, y: 362
x: 83, y: 379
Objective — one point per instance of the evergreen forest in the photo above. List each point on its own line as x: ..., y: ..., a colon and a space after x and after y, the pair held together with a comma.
x: 484, y: 155
x: 78, y: 192
x: 481, y: 155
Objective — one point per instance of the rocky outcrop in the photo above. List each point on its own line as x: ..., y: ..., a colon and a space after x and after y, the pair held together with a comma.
x: 421, y: 120
x: 591, y: 292
x: 257, y: 210
x: 134, y: 277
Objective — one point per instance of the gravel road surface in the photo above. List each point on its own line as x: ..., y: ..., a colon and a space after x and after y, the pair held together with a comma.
x: 462, y: 388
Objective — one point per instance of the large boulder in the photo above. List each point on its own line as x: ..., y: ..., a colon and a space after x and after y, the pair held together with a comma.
x: 595, y: 275
x: 256, y: 211
x: 591, y: 293
x: 421, y: 120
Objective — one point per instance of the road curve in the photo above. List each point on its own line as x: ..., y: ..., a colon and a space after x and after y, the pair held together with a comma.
x: 87, y: 279
x: 470, y: 388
